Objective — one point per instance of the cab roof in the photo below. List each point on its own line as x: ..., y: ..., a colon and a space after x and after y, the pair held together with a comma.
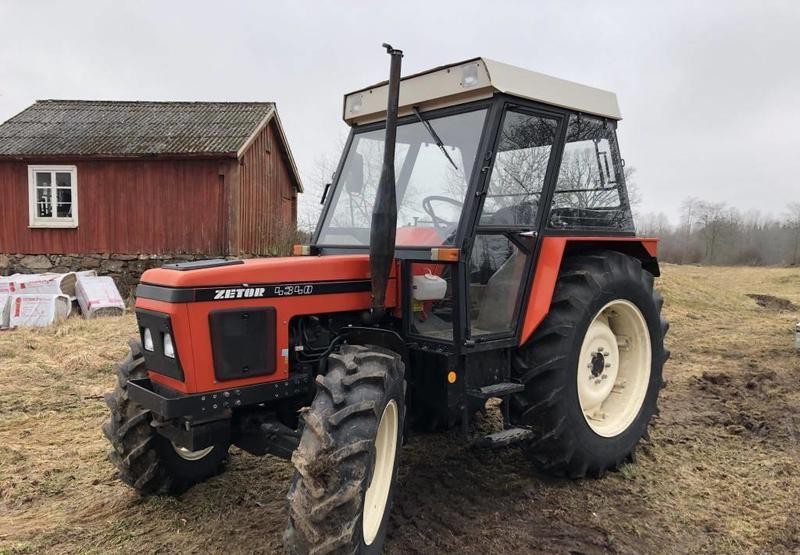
x: 473, y: 80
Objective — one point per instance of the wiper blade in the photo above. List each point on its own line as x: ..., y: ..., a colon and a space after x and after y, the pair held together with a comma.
x: 433, y: 135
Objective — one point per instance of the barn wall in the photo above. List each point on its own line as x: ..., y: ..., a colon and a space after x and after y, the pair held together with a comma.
x: 136, y: 206
x: 267, y: 200
x: 126, y: 269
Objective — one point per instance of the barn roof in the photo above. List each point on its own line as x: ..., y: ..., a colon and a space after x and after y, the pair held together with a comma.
x: 89, y: 128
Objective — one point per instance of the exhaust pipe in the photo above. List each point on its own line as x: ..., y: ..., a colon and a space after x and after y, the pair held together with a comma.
x: 384, y: 212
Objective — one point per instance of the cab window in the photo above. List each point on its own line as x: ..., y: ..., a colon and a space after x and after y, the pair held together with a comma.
x: 431, y: 182
x: 523, y: 154
x: 590, y: 189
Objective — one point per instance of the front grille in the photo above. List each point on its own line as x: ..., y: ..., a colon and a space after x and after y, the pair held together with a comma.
x: 243, y: 342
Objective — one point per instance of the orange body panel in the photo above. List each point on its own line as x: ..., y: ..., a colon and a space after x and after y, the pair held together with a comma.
x: 190, y: 321
x: 411, y: 236
x: 546, y: 275
x: 267, y: 270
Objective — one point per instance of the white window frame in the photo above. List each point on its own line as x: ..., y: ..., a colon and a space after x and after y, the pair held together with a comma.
x: 53, y: 221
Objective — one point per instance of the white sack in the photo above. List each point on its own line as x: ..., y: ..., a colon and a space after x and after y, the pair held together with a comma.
x: 98, y: 296
x: 37, y: 310
x: 52, y: 284
x: 5, y: 285
x: 4, y: 306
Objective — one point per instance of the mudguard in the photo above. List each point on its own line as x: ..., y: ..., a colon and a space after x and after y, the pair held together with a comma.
x: 552, y: 253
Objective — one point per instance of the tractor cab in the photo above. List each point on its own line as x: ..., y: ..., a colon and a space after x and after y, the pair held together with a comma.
x: 489, y: 159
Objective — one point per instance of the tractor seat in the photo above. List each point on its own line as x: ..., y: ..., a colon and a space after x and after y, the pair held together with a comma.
x: 522, y: 214
x: 499, y: 296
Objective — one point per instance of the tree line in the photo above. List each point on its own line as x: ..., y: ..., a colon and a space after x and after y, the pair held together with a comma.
x: 717, y: 234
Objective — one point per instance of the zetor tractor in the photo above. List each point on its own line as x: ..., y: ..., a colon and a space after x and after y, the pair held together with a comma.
x: 476, y: 243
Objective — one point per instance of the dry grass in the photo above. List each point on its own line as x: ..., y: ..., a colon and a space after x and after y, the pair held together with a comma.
x: 720, y: 474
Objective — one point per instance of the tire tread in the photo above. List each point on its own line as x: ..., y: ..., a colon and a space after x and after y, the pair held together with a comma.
x: 326, y: 496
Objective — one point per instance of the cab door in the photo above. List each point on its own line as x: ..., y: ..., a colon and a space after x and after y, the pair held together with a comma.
x: 514, y: 194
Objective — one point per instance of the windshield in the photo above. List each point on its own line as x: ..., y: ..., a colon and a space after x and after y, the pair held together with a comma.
x: 431, y: 186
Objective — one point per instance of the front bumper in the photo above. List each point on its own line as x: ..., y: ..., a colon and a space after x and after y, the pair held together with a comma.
x: 196, y: 421
x: 169, y: 404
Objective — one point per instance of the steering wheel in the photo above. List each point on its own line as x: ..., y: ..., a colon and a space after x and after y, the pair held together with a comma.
x: 438, y: 222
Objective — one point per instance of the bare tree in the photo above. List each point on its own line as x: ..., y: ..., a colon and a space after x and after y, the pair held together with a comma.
x: 309, y: 206
x: 690, y: 208
x: 711, y: 220
x: 653, y: 224
x: 792, y: 222
x: 631, y: 185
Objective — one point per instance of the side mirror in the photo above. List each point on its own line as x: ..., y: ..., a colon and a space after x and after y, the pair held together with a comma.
x: 354, y: 174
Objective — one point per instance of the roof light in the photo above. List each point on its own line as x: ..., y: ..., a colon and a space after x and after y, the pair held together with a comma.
x: 445, y: 254
x: 354, y: 103
x: 469, y: 75
x: 301, y: 250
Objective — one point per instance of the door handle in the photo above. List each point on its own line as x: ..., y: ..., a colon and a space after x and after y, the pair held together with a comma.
x: 532, y: 234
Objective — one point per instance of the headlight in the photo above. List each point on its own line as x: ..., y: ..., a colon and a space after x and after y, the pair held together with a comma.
x: 148, y: 340
x: 169, y: 349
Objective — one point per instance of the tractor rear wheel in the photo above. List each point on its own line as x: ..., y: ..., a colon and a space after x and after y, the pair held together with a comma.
x: 593, y: 369
x: 346, y: 463
x: 145, y: 460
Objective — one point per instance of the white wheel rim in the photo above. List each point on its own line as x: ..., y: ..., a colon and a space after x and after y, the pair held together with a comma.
x: 378, y: 490
x: 614, y: 368
x: 188, y: 455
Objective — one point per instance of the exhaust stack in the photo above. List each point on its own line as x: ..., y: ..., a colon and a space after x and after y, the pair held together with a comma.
x: 384, y: 212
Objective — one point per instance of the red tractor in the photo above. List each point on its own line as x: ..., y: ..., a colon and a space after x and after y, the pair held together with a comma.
x: 476, y: 243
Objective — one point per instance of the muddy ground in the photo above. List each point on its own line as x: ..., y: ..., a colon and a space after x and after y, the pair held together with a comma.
x: 720, y: 473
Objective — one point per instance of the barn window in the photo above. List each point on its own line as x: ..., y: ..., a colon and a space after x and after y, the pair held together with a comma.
x: 53, y: 196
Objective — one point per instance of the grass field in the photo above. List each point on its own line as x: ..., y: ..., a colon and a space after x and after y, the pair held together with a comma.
x: 720, y: 473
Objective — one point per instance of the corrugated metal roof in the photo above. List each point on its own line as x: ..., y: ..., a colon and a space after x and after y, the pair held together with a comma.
x: 112, y: 128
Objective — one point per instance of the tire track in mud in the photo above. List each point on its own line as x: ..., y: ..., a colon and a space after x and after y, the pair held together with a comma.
x: 453, y: 499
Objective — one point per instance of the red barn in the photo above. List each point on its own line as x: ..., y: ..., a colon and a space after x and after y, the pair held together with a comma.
x: 116, y: 184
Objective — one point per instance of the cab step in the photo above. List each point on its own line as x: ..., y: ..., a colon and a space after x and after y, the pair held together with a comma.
x: 496, y: 390
x: 505, y: 438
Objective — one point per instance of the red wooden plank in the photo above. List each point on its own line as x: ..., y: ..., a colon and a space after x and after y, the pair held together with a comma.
x: 125, y: 206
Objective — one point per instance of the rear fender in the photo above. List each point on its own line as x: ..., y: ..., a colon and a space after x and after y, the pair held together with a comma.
x: 552, y: 253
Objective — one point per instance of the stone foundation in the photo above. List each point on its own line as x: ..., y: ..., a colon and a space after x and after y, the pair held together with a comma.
x: 124, y: 268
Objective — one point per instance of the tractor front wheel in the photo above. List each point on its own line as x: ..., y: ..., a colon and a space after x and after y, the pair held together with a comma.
x: 145, y: 460
x: 346, y: 463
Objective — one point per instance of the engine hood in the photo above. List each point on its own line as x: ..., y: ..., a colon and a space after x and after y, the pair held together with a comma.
x: 295, y: 269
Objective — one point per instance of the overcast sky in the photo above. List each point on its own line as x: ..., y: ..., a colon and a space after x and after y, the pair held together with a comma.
x: 709, y: 91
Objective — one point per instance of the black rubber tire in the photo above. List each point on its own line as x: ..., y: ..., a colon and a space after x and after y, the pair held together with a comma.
x: 336, y: 455
x: 145, y: 460
x: 565, y: 445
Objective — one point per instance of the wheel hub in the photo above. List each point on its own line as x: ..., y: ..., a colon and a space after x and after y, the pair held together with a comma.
x: 598, y: 364
x: 599, y: 359
x: 188, y: 455
x: 614, y: 368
